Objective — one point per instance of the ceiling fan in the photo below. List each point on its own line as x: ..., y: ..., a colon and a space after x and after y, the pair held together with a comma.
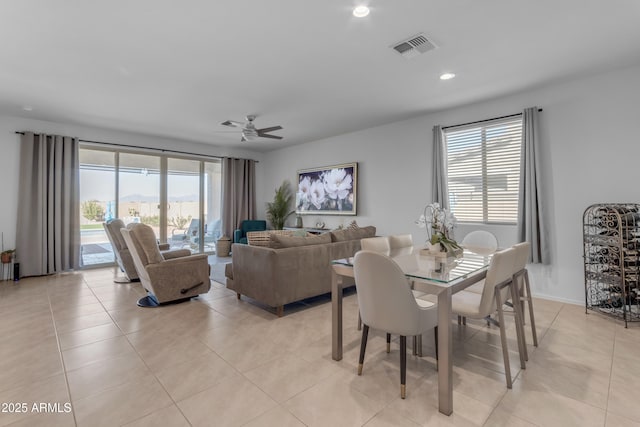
x: 249, y: 131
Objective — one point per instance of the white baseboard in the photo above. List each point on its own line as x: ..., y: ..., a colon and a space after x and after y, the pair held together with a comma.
x: 558, y: 299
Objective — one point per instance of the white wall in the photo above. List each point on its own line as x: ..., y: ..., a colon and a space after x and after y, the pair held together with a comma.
x: 10, y: 155
x: 590, y: 150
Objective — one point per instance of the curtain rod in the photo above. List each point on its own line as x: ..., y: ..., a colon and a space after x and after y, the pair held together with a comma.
x: 162, y: 150
x: 486, y: 120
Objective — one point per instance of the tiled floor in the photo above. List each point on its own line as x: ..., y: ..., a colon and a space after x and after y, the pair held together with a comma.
x: 79, y: 339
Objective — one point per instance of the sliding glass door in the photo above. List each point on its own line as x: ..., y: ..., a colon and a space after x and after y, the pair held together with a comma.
x: 139, y: 190
x: 183, y: 204
x: 212, y: 204
x: 179, y: 198
x: 97, y: 204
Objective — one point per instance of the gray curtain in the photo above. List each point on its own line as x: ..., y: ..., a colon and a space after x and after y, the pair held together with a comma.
x: 48, y: 233
x: 238, y: 193
x: 440, y: 191
x: 531, y: 227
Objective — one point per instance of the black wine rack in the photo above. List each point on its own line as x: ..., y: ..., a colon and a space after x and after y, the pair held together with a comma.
x: 611, y: 234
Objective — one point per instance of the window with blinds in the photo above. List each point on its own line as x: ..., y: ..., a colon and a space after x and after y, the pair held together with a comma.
x: 483, y: 170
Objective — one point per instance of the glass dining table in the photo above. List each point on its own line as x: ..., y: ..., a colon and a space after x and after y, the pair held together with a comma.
x: 433, y: 274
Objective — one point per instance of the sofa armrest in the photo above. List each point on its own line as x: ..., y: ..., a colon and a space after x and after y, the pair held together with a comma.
x: 170, y: 278
x: 164, y: 246
x: 254, y: 272
x: 237, y: 235
x: 176, y: 253
x: 187, y: 258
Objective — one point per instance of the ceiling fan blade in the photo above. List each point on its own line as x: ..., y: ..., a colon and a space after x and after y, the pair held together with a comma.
x: 266, y: 135
x: 232, y: 123
x: 271, y: 129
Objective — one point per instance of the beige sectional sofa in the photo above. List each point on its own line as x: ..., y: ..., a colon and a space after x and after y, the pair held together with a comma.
x: 291, y: 268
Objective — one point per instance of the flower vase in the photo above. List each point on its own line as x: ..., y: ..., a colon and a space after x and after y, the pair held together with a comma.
x: 434, y: 249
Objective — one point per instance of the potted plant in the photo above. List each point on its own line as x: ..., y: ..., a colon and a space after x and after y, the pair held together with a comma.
x: 5, y: 256
x: 278, y: 210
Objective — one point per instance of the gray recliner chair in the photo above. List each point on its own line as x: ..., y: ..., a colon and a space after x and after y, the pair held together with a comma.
x: 168, y: 277
x: 121, y: 251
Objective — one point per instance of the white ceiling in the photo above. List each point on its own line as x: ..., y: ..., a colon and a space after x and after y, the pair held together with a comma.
x: 179, y: 69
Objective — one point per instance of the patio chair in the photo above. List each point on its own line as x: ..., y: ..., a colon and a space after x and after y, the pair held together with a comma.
x: 185, y: 236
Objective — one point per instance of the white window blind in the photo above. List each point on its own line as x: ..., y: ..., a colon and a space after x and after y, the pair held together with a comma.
x: 483, y: 170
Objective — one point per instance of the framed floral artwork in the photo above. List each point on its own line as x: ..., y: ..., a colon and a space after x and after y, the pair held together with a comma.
x: 330, y: 190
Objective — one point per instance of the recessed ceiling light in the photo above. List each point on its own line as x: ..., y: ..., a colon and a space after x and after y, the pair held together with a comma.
x: 360, y: 11
x: 27, y: 108
x: 447, y: 76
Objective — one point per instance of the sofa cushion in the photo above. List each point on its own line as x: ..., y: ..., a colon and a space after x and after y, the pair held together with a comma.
x: 340, y: 235
x: 353, y: 234
x: 281, y: 242
x: 364, y: 232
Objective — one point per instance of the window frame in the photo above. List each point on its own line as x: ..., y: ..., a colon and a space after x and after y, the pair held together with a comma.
x: 512, y: 121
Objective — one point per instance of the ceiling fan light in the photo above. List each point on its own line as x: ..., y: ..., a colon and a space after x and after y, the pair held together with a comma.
x: 249, y: 135
x: 360, y: 11
x: 447, y: 76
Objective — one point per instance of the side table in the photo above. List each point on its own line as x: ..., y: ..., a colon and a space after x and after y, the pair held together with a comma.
x: 309, y: 229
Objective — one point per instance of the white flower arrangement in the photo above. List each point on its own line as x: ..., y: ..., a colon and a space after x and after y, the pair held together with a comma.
x: 439, y: 224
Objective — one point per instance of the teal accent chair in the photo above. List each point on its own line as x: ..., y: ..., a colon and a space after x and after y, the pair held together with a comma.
x: 240, y: 235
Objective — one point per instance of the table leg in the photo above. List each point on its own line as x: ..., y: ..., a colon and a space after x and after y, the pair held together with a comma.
x: 336, y: 316
x: 445, y: 353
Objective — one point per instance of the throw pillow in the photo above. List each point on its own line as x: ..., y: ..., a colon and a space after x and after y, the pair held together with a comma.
x: 352, y: 234
x: 262, y: 238
x: 340, y: 235
x: 281, y: 242
x: 364, y: 232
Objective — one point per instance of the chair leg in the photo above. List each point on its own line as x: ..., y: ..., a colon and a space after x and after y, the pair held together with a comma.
x: 360, y: 322
x: 530, y: 302
x: 521, y: 292
x: 403, y: 367
x: 238, y: 295
x: 388, y: 343
x: 464, y: 320
x: 280, y: 310
x: 420, y: 345
x: 363, y: 347
x: 459, y: 320
x: 503, y: 339
x: 522, y: 342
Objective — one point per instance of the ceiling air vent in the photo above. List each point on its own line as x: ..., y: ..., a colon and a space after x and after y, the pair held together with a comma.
x: 414, y: 46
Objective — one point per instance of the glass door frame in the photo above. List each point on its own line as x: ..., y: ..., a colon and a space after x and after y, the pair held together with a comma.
x: 163, y: 187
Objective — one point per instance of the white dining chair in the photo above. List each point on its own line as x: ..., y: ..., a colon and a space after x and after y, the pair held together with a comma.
x: 497, y: 288
x: 481, y: 242
x: 387, y: 303
x: 383, y: 245
x: 397, y: 243
x: 376, y: 244
x: 400, y: 241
